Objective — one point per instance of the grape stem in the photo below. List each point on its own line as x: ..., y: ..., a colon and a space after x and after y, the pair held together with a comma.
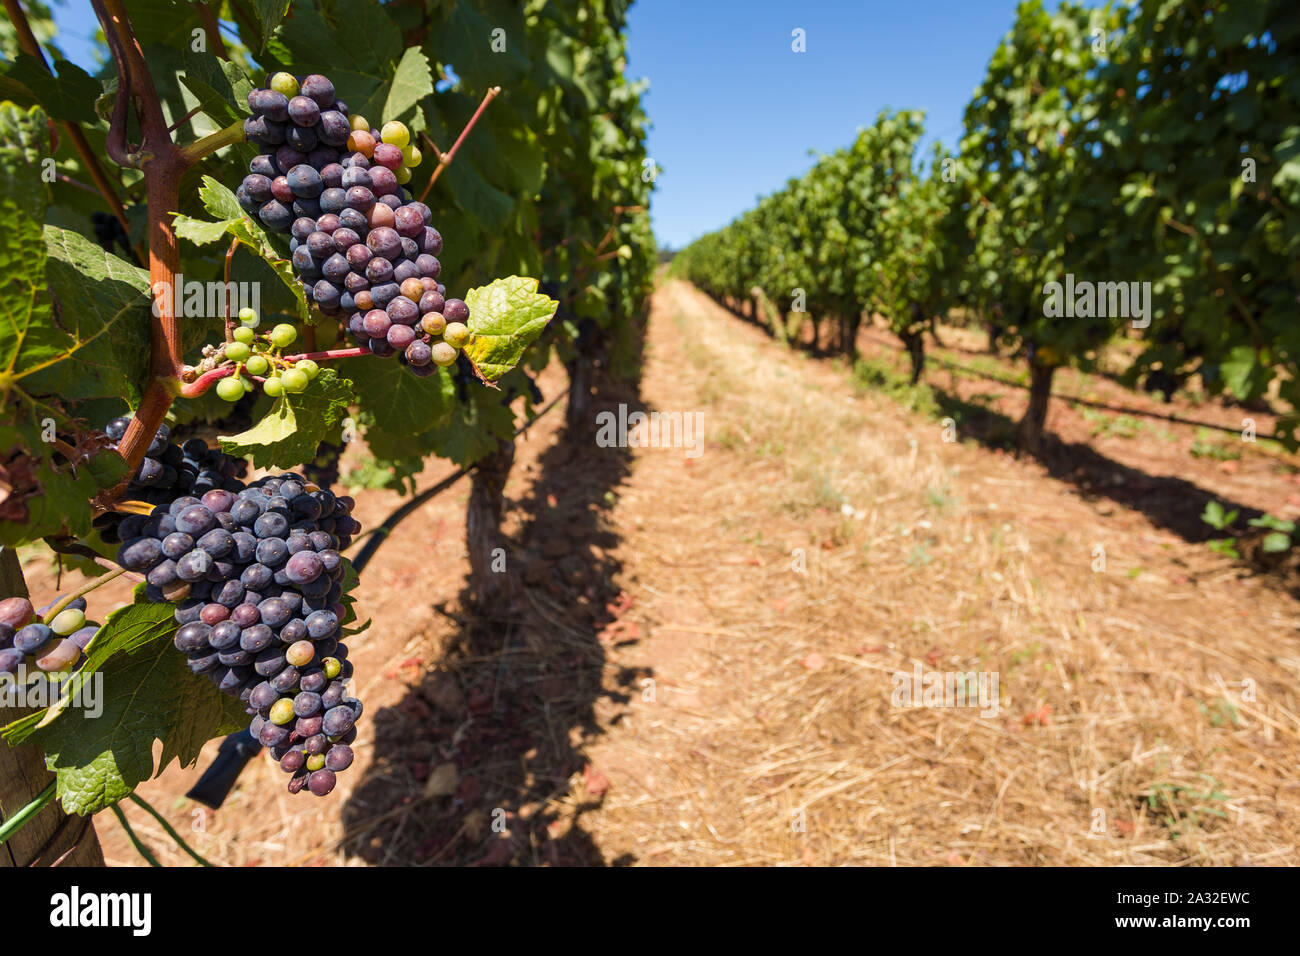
x: 208, y: 379
x: 98, y: 582
x: 230, y: 321
x: 444, y: 159
x: 163, y: 163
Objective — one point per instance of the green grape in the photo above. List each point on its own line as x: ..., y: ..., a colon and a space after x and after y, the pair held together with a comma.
x: 411, y: 155
x: 230, y: 389
x: 257, y: 365
x: 282, y: 711
x: 456, y: 334
x: 283, y: 335
x: 316, y: 762
x: 332, y: 667
x: 67, y: 621
x: 294, y: 380
x: 244, y: 334
x: 284, y: 83
x: 249, y: 317
x: 273, y: 387
x: 443, y: 354
x: 395, y: 133
x: 402, y: 174
x: 237, y: 351
x: 308, y: 367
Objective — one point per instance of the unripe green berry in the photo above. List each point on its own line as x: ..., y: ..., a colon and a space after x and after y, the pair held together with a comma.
x: 443, y: 354
x: 67, y: 621
x: 283, y: 335
x: 284, y: 83
x: 273, y: 387
x: 294, y: 380
x: 238, y: 351
x: 456, y: 334
x: 282, y: 711
x: 244, y: 334
x: 230, y: 389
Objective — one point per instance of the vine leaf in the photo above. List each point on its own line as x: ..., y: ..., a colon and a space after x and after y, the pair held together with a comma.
x: 401, y: 404
x: 96, y: 342
x: 132, y: 690
x: 270, y: 13
x: 365, y: 35
x: 505, y: 318
x: 70, y: 97
x: 411, y: 83
x: 232, y: 221
x: 40, y: 362
x: 290, y: 432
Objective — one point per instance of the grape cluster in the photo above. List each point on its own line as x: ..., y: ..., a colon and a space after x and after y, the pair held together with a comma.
x: 363, y: 250
x: 257, y: 578
x: 50, y: 643
x: 259, y: 355
x: 168, y: 470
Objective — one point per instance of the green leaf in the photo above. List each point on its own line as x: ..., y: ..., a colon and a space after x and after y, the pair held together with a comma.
x: 505, y: 317
x: 270, y: 13
x: 24, y: 139
x: 221, y: 202
x: 359, y: 33
x: 474, y: 428
x: 411, y: 83
x: 400, y: 404
x: 291, y: 431
x: 201, y: 232
x: 1243, y: 373
x: 133, y: 689
x: 1277, y: 541
x: 95, y: 344
x: 70, y: 96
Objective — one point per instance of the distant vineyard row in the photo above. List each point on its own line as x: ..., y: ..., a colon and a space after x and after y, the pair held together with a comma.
x: 1121, y: 171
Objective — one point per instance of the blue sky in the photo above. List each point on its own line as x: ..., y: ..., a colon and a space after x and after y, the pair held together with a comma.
x: 735, y: 111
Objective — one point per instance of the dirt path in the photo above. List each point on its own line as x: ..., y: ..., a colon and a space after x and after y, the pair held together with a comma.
x: 700, y: 664
x: 1123, y: 735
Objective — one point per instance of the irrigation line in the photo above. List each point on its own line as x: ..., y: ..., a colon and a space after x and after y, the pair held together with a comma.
x: 135, y: 840
x: 171, y: 831
x: 1078, y: 400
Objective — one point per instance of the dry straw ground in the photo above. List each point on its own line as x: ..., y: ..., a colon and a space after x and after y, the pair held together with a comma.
x: 670, y: 690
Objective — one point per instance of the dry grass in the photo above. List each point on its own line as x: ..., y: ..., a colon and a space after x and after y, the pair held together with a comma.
x: 1123, y: 736
x: 669, y: 690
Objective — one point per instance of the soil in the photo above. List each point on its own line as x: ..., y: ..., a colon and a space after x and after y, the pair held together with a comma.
x: 700, y: 660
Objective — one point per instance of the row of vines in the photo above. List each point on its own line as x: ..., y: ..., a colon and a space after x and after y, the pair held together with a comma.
x: 1124, y: 170
x: 479, y: 163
